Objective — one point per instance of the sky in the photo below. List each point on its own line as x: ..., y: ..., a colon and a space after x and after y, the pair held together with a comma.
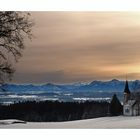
x: 80, y: 47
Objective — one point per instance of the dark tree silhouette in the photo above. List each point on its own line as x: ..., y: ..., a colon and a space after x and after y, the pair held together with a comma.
x: 48, y: 111
x: 115, y: 106
x: 14, y: 28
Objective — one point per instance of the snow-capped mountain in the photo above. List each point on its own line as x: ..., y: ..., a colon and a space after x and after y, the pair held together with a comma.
x: 95, y: 90
x: 49, y: 87
x: 95, y: 86
x: 104, y: 86
x: 45, y: 87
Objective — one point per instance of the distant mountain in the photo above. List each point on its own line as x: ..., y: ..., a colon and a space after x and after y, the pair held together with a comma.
x: 49, y: 87
x: 104, y: 86
x: 45, y: 87
x: 95, y: 86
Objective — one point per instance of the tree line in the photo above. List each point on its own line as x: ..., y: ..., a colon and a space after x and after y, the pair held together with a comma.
x: 47, y: 111
x: 50, y: 111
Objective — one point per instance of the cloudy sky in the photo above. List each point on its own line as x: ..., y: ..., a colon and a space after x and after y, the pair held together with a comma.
x: 81, y: 46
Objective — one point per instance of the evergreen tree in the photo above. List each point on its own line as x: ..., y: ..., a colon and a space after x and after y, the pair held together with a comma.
x: 115, y: 106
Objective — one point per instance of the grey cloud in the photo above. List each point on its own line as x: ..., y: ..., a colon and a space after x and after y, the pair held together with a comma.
x: 50, y: 76
x: 81, y: 41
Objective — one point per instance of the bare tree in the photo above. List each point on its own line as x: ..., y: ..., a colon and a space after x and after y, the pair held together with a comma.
x: 14, y: 28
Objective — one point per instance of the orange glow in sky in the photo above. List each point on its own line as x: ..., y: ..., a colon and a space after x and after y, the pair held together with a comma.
x: 81, y: 46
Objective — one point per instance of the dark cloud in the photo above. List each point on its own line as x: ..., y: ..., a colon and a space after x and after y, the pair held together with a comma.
x: 51, y: 76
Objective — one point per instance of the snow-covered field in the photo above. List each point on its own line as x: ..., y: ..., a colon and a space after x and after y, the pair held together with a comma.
x: 103, y: 122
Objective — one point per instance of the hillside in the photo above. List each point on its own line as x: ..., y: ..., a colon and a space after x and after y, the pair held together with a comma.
x: 103, y: 122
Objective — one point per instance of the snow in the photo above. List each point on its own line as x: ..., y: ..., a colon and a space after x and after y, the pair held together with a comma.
x: 91, y: 99
x: 10, y: 121
x: 103, y: 122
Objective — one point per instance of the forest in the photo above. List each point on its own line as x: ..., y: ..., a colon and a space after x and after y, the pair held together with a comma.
x: 48, y: 111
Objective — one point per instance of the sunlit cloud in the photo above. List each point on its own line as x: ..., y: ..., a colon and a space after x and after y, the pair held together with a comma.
x: 73, y: 46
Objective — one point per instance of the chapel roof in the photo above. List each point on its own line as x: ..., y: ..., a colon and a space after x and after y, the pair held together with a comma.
x: 126, y: 89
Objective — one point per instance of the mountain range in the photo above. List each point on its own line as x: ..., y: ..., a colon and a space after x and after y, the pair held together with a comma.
x: 94, y: 86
